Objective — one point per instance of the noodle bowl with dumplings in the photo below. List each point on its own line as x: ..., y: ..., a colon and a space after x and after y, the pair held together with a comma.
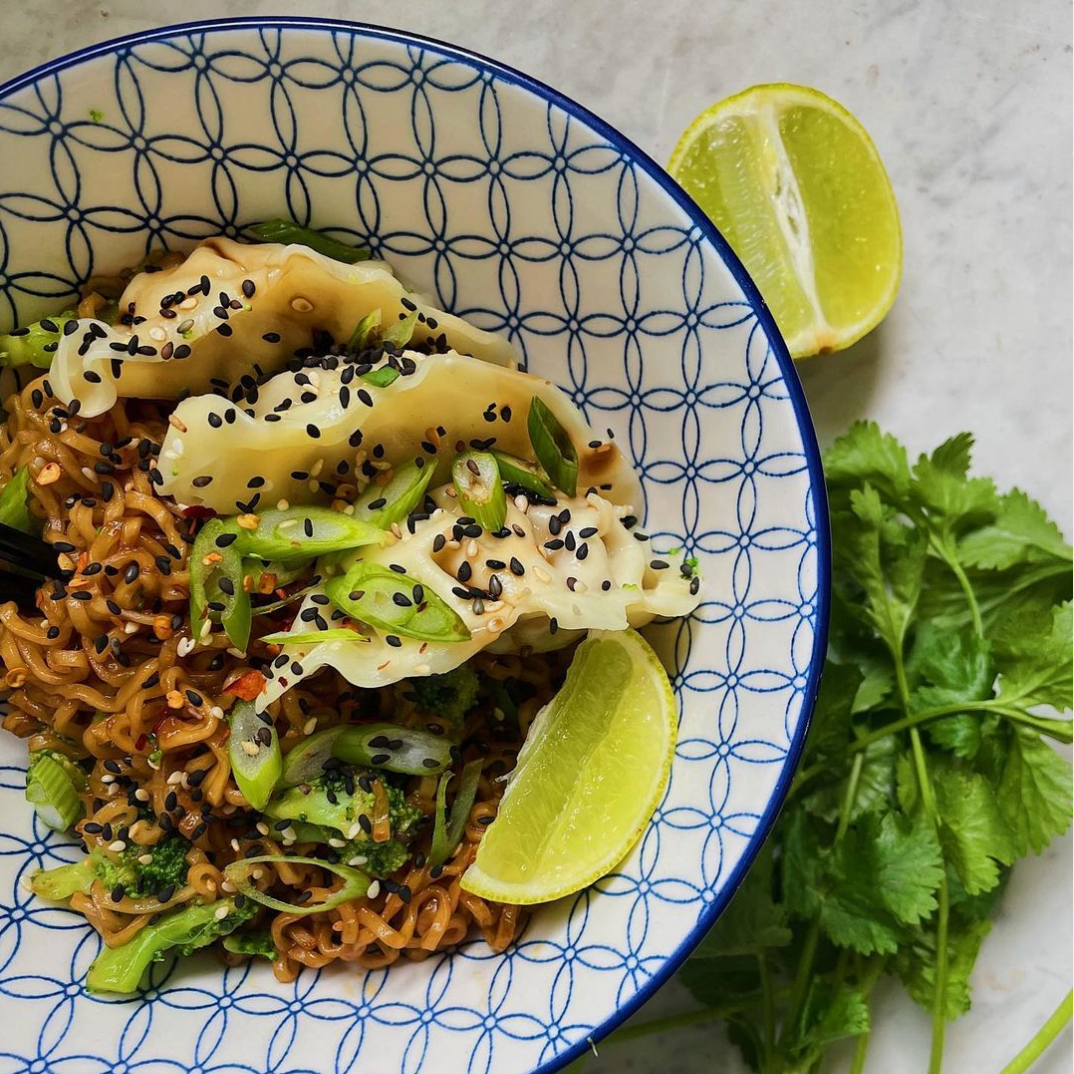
x: 325, y: 560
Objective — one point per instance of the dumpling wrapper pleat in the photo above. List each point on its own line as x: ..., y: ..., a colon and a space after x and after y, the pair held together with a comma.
x: 295, y: 292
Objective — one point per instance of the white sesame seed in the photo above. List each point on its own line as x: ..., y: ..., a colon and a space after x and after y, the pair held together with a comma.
x: 158, y: 333
x: 185, y: 647
x: 108, y: 778
x: 310, y: 726
x: 188, y: 303
x: 262, y: 827
x: 374, y: 890
x: 235, y: 845
x: 333, y: 842
x: 282, y: 505
x: 220, y: 913
x: 117, y: 846
x: 251, y: 749
x: 175, y: 778
x: 145, y: 859
x: 217, y: 712
x: 130, y: 628
x: 318, y: 466
x: 206, y: 629
x: 142, y: 794
x: 522, y: 503
x: 358, y: 859
x: 471, y: 548
x: 354, y: 831
x: 228, y: 886
x: 257, y: 873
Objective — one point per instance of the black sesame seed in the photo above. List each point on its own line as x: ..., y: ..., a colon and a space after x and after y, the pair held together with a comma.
x: 393, y: 641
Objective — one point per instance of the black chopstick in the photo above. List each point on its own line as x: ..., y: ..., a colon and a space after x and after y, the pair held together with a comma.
x: 27, y: 553
x: 20, y: 588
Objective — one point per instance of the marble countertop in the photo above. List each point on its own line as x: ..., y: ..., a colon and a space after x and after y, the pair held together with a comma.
x: 970, y: 107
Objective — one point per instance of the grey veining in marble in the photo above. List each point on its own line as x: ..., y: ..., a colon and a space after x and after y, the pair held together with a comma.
x: 970, y: 106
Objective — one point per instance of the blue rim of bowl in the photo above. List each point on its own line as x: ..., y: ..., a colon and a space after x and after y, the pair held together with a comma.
x: 764, y: 316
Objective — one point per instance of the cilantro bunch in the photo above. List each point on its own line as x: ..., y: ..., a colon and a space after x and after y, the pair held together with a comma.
x: 926, y: 772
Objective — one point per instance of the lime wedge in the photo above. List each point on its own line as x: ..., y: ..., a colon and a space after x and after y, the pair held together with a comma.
x: 589, y: 776
x: 796, y: 186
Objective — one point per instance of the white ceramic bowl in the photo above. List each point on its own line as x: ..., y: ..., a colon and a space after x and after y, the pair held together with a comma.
x: 527, y: 214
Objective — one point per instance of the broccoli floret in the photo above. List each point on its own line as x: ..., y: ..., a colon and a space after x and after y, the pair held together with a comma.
x: 381, y: 859
x: 119, y: 969
x: 166, y: 869
x: 253, y: 943
x: 450, y: 695
x: 336, y: 800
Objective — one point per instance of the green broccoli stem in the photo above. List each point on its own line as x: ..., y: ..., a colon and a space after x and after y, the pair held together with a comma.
x: 63, y: 881
x: 120, y: 969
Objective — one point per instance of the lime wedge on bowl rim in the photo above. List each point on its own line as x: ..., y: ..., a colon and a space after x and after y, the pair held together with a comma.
x: 796, y: 186
x: 590, y: 773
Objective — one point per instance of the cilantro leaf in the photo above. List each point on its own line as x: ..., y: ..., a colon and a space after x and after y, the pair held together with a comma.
x: 956, y: 501
x: 975, y: 836
x: 1020, y: 533
x: 866, y: 455
x: 1034, y: 792
x: 916, y: 966
x: 829, y: 730
x: 829, y: 1016
x: 1036, y: 665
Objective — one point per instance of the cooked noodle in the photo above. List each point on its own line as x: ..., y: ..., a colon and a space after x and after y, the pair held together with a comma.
x: 97, y: 675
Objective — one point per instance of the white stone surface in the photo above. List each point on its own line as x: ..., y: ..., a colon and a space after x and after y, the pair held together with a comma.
x: 970, y: 106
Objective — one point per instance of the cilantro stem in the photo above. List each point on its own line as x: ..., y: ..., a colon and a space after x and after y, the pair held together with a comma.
x: 1061, y: 730
x: 939, y: 995
x: 768, y: 1008
x: 1044, y: 1036
x: 944, y: 552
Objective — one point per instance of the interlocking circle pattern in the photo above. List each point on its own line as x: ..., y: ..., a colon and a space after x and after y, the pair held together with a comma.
x: 523, y: 212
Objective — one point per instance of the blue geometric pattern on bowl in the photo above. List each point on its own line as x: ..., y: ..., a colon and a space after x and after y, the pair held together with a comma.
x: 525, y: 213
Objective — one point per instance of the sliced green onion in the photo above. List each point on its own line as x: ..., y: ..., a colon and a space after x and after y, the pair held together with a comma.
x: 28, y: 348
x: 476, y: 476
x: 206, y: 580
x: 516, y: 471
x: 365, y: 333
x: 120, y: 969
x: 14, y: 501
x: 386, y: 600
x: 312, y: 637
x: 283, y: 574
x: 258, y: 942
x: 399, y: 334
x: 355, y: 884
x: 287, y: 231
x: 382, y: 377
x: 404, y: 750
x: 300, y: 534
x: 448, y: 832
x: 403, y: 494
x: 52, y: 786
x: 552, y: 447
x: 298, y: 594
x: 256, y: 764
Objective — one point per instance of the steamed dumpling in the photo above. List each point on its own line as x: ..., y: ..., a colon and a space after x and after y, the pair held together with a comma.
x: 223, y: 455
x: 601, y: 577
x: 231, y: 309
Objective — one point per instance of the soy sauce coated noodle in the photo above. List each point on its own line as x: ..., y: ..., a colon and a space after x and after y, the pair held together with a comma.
x: 105, y: 673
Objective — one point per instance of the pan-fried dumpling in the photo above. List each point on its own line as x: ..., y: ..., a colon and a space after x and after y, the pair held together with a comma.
x: 518, y: 591
x: 278, y: 446
x: 231, y: 308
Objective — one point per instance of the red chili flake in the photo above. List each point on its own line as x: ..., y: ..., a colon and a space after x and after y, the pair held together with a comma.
x: 247, y: 686
x: 141, y: 742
